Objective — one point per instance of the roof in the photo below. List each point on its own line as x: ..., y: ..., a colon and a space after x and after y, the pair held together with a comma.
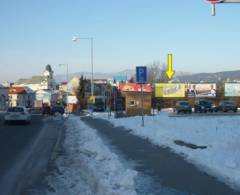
x: 19, y: 90
x: 33, y: 80
x: 134, y: 87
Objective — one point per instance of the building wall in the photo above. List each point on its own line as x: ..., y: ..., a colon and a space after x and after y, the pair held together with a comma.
x: 26, y: 100
x: 3, y: 98
x: 133, y: 103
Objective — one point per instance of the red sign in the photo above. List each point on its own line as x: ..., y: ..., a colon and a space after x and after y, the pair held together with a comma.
x: 215, y: 1
x: 134, y: 87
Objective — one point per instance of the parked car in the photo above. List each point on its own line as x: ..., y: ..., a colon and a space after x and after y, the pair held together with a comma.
x: 226, y: 106
x: 46, y: 110
x: 183, y: 106
x: 203, y: 106
x: 57, y: 110
x: 17, y: 114
x: 120, y: 104
x: 99, y: 106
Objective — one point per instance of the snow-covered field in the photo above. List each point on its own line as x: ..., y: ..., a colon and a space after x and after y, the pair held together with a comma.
x: 221, y: 135
x: 88, y: 166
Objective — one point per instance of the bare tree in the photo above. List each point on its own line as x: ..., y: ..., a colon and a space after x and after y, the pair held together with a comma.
x: 156, y: 72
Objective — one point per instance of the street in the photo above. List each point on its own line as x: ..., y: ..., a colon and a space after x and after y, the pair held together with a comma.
x: 167, y: 170
x: 25, y: 151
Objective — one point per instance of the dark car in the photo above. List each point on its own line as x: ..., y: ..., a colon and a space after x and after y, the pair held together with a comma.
x: 119, y: 104
x: 226, y: 106
x: 46, y: 110
x: 183, y: 106
x: 57, y: 110
x: 99, y: 106
x: 203, y: 106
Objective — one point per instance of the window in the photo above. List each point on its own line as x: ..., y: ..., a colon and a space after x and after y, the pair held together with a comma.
x: 132, y: 103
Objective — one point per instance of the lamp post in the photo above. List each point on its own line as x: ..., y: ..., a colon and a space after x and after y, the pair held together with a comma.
x: 66, y: 78
x: 75, y: 39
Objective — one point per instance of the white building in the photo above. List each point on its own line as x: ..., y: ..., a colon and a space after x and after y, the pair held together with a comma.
x: 21, y: 96
x: 3, y: 97
x: 48, y: 97
x: 44, y: 82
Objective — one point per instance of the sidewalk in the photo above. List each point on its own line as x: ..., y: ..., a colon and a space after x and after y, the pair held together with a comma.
x: 160, y: 163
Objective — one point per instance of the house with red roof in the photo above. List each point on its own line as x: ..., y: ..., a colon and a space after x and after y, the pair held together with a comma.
x: 21, y: 96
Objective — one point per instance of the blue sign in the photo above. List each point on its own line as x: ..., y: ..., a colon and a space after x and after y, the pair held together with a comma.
x: 120, y: 78
x: 141, y: 74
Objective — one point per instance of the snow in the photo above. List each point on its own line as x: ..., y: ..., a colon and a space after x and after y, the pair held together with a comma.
x: 221, y: 135
x: 88, y: 166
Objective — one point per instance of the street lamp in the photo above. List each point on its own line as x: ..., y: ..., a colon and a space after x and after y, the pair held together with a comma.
x: 75, y: 39
x: 66, y: 78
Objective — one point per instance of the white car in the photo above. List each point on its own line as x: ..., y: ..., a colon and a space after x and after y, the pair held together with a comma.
x: 17, y: 113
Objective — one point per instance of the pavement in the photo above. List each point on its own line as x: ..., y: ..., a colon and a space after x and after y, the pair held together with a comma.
x: 25, y: 151
x: 170, y: 172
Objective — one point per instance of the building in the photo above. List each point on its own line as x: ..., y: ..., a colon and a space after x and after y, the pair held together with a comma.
x: 3, y: 97
x: 44, y: 82
x: 133, y: 98
x: 21, y: 96
x: 48, y: 97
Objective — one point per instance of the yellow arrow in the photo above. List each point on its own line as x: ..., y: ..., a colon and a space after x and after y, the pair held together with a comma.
x: 170, y: 71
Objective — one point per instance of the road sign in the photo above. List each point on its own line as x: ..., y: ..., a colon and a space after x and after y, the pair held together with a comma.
x: 141, y: 74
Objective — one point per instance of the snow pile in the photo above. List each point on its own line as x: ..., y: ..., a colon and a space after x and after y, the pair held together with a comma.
x: 88, y: 166
x: 220, y: 134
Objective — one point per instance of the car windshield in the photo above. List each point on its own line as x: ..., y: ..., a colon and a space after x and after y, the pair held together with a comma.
x: 15, y: 109
x: 206, y: 102
x: 184, y: 103
x: 229, y: 103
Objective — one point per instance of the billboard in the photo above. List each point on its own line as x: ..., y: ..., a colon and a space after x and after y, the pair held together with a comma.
x: 134, y: 87
x: 201, y: 90
x: 120, y: 78
x: 170, y: 90
x: 232, y: 89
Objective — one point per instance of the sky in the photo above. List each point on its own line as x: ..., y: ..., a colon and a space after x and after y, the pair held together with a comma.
x: 126, y: 33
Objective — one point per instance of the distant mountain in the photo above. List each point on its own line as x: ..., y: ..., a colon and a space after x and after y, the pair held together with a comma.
x: 100, y: 75
x: 211, y: 77
x: 179, y: 76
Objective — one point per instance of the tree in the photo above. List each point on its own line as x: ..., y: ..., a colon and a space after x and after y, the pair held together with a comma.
x: 80, y: 93
x: 131, y: 80
x: 157, y: 72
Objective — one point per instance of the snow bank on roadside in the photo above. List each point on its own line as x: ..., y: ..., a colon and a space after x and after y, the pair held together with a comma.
x: 221, y: 135
x: 88, y: 166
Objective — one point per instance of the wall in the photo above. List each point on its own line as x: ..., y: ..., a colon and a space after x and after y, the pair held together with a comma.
x: 133, y: 103
x: 3, y: 98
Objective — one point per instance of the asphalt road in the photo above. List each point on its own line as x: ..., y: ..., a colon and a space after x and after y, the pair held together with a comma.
x: 24, y: 152
x: 166, y: 169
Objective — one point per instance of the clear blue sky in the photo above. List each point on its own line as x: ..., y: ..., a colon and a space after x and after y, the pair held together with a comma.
x: 127, y: 33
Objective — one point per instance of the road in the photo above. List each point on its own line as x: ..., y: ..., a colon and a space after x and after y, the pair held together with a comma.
x: 24, y: 152
x: 170, y: 172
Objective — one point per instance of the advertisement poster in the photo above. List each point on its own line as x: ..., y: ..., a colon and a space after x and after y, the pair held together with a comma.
x: 170, y: 90
x: 201, y: 90
x: 134, y: 87
x: 232, y: 89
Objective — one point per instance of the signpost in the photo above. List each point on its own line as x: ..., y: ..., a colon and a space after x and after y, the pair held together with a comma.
x: 141, y: 78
